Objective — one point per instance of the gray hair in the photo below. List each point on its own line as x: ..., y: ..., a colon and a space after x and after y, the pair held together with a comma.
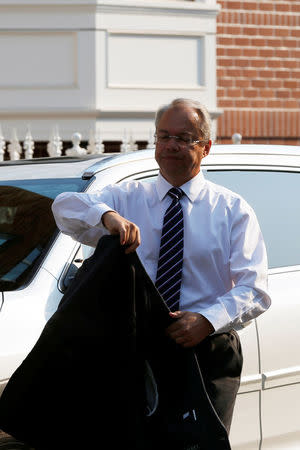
x: 203, y: 114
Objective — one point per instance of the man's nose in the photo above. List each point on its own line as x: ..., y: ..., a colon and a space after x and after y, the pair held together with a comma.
x: 172, y: 143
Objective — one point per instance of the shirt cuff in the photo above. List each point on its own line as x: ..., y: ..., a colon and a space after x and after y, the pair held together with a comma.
x: 217, y: 316
x: 95, y: 214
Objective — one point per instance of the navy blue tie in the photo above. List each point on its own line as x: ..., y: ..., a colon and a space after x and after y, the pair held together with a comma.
x: 169, y: 268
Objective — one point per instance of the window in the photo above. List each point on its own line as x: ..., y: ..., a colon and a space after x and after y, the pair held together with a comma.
x: 274, y: 196
x: 27, y: 226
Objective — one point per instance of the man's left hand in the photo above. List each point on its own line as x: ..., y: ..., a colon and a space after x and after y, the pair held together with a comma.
x: 189, y: 329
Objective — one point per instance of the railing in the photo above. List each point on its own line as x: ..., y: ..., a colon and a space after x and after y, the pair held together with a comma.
x: 55, y: 145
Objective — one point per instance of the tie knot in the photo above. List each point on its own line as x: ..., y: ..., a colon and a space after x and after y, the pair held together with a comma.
x: 176, y: 193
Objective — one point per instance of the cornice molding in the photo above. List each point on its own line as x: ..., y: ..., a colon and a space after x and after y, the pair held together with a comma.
x: 208, y: 7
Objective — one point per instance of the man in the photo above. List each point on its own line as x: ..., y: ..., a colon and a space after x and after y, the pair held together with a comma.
x: 218, y: 278
x: 224, y: 268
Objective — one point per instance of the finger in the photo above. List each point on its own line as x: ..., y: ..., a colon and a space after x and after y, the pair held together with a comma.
x: 134, y: 239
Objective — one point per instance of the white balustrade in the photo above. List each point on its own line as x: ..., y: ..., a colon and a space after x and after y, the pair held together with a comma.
x: 55, y: 145
x: 236, y: 138
x: 14, y: 147
x: 28, y: 145
x: 95, y: 145
x: 76, y: 150
x: 2, y: 145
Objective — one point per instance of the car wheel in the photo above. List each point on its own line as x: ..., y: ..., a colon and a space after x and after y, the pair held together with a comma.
x: 9, y: 443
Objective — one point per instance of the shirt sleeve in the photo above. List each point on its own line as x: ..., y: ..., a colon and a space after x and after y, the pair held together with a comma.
x: 79, y: 214
x: 248, y: 297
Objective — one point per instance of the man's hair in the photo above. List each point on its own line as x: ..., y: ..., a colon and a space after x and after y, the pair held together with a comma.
x: 203, y: 114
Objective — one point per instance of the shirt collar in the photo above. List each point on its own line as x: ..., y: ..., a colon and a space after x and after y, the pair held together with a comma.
x: 191, y: 188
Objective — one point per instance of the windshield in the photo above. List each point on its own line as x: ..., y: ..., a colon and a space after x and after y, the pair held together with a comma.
x: 27, y: 226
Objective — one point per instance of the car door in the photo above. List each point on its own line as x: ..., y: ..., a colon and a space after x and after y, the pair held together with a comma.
x: 273, y: 193
x: 279, y: 330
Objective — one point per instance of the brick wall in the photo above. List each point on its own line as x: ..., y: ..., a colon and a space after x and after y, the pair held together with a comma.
x: 258, y: 71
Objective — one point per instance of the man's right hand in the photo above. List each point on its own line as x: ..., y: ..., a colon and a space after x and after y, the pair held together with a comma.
x: 128, y: 231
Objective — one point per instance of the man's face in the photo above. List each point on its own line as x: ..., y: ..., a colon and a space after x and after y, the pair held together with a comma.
x: 179, y: 162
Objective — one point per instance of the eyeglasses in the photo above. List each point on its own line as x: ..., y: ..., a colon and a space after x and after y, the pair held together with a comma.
x: 183, y: 141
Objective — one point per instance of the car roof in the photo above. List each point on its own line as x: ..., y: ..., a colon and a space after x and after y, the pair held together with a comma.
x: 88, y: 165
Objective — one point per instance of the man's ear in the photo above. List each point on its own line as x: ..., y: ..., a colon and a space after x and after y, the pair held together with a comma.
x: 207, y: 148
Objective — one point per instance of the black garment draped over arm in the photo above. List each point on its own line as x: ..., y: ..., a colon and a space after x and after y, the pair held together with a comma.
x: 83, y: 384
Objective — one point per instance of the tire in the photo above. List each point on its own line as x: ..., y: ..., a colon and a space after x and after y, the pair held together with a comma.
x: 9, y: 443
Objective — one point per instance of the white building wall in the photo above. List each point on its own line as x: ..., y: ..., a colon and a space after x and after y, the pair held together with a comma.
x: 102, y: 65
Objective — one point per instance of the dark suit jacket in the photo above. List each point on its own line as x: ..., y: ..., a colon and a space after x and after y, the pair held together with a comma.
x: 83, y: 384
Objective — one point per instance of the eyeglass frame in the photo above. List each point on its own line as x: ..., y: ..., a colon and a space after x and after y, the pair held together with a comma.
x: 168, y: 136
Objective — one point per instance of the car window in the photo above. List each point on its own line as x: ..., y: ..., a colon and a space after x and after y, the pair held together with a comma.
x: 274, y: 197
x: 27, y: 226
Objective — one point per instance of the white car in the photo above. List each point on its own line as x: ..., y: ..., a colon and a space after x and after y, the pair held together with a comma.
x: 37, y: 263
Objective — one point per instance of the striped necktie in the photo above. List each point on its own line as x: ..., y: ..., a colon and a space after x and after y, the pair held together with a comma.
x: 169, y: 269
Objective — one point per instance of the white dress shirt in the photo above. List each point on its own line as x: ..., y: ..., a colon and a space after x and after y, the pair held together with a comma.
x: 225, y: 264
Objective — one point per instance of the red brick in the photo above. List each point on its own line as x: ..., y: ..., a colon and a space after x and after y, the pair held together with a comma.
x: 265, y: 6
x: 242, y: 41
x: 290, y: 84
x: 274, y: 62
x: 266, y: 52
x: 266, y: 73
x: 250, y: 5
x: 234, y: 52
x: 242, y: 103
x: 284, y: 7
x: 259, y: 42
x: 295, y: 7
x: 225, y: 82
x: 257, y: 62
x: 289, y: 43
x: 242, y: 62
x: 234, y: 93
x: 275, y: 83
x: 283, y: 53
x: 258, y: 104
x: 295, y: 74
x: 233, y: 30
x: 274, y: 104
x: 242, y: 82
x: 274, y: 42
x: 234, y: 5
x: 250, y: 92
x: 221, y: 73
x: 266, y: 93
x: 234, y: 72
x: 221, y: 29
x: 283, y: 94
x: 225, y: 103
x: 224, y: 62
x: 291, y: 103
x: 220, y: 93
x: 291, y: 64
x: 251, y: 31
x: 258, y: 83
x: 282, y: 32
x: 221, y: 40
x: 294, y: 53
x: 295, y: 33
x: 263, y: 31
x: 221, y: 51
x: 250, y: 52
x: 282, y: 74
x: 250, y: 73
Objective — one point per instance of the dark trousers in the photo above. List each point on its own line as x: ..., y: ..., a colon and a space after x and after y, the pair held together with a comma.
x: 220, y: 362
